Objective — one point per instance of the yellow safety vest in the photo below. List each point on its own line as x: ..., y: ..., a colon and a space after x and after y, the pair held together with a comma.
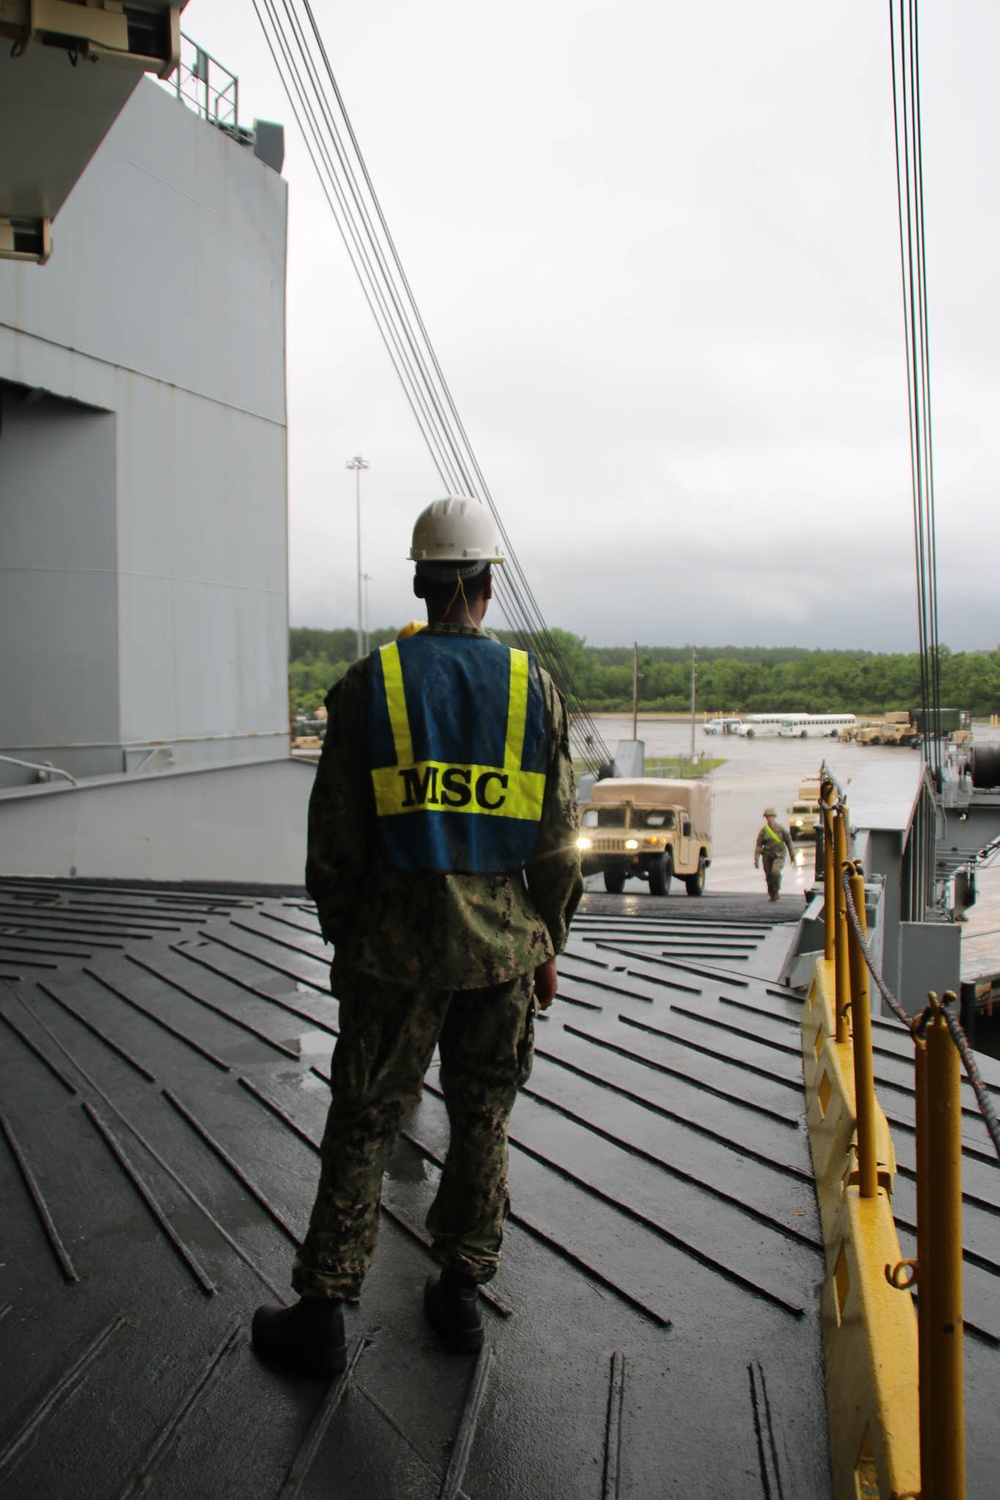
x: 458, y: 749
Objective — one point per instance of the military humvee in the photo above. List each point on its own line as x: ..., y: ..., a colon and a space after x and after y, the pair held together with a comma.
x: 648, y: 828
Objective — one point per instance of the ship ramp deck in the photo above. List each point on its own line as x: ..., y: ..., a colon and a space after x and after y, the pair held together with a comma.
x: 653, y: 1331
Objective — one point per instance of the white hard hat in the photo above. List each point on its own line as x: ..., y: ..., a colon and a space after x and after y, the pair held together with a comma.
x: 456, y: 530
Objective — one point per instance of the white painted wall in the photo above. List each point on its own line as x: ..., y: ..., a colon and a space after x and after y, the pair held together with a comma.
x: 163, y: 306
x: 58, y: 586
x: 168, y: 261
x: 244, y: 823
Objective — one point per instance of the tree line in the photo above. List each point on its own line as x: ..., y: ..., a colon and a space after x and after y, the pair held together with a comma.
x: 730, y: 679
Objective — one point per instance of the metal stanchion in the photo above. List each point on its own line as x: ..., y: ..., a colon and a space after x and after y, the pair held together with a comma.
x: 829, y: 872
x: 842, y: 970
x: 941, y: 1293
x: 861, y: 1030
x: 924, y: 1272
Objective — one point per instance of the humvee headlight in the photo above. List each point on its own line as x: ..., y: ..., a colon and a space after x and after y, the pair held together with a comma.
x: 631, y: 843
x: 583, y: 843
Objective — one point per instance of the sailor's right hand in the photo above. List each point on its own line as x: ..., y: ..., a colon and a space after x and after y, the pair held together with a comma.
x: 546, y: 983
x: 337, y: 967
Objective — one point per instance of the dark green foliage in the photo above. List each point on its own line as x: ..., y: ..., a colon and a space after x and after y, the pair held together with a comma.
x: 319, y: 658
x: 731, y: 679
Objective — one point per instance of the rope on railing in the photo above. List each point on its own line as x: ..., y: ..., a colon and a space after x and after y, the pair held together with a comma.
x: 918, y: 1024
x: 961, y: 1041
x: 883, y: 989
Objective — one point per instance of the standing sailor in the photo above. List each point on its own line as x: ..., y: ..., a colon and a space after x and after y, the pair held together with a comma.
x: 442, y: 859
x: 772, y: 841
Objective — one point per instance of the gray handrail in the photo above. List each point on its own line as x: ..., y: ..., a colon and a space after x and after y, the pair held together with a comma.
x: 45, y: 766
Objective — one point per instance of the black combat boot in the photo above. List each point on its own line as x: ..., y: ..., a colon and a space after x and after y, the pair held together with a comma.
x: 307, y: 1339
x: 451, y: 1302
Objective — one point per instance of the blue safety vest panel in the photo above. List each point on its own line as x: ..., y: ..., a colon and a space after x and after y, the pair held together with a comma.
x: 457, y: 744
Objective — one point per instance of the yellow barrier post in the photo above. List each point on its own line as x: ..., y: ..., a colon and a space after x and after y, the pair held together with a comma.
x: 924, y: 1268
x: 941, y: 1294
x: 841, y: 959
x: 829, y: 872
x: 869, y: 1326
x: 861, y: 1029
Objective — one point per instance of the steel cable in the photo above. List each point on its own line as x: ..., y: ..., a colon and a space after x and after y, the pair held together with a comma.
x: 357, y: 254
x: 429, y: 415
x: 336, y: 156
x: 550, y: 647
x: 390, y: 242
x: 913, y: 264
x: 429, y: 422
x: 915, y: 1026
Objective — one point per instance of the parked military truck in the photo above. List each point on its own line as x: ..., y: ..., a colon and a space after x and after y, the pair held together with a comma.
x: 941, y: 721
x: 648, y: 828
x: 892, y: 730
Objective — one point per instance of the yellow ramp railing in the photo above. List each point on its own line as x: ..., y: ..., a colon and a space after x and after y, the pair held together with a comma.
x: 894, y: 1385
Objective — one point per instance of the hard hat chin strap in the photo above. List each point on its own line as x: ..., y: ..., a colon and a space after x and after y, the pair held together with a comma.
x: 459, y: 589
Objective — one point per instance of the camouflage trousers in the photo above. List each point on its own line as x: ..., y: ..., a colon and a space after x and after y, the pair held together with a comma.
x: 387, y: 1038
x: 773, y: 866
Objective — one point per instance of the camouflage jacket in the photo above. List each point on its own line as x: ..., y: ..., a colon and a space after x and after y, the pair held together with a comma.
x: 770, y: 846
x: 444, y: 931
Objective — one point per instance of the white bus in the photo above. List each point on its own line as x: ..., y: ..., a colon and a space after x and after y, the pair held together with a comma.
x: 795, y: 726
x: 757, y: 725
x: 825, y: 725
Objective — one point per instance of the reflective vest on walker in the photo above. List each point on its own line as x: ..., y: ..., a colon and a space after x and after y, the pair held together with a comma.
x: 457, y: 745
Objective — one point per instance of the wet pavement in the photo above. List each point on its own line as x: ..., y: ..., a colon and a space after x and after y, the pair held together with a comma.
x: 767, y: 772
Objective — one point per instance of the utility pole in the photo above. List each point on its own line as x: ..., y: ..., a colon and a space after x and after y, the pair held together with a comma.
x: 694, y: 679
x: 635, y: 690
x: 357, y: 463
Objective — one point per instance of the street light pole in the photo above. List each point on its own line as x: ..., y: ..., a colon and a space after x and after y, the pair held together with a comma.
x: 367, y: 577
x: 357, y: 463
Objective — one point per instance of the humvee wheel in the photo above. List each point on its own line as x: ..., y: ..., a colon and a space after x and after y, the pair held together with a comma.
x: 660, y: 876
x: 614, y: 881
x: 695, y: 884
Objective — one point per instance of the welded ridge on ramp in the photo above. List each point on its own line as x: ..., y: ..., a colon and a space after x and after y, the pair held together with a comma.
x: 164, y: 1085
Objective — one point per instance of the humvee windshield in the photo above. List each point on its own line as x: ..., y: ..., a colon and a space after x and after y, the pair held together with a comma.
x: 653, y: 817
x: 611, y: 817
x: 603, y: 817
x: 616, y: 817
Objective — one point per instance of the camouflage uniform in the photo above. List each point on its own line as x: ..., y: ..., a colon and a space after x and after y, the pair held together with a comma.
x: 770, y: 847
x: 432, y: 958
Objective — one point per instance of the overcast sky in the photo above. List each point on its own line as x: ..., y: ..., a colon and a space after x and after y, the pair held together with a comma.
x: 656, y: 248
